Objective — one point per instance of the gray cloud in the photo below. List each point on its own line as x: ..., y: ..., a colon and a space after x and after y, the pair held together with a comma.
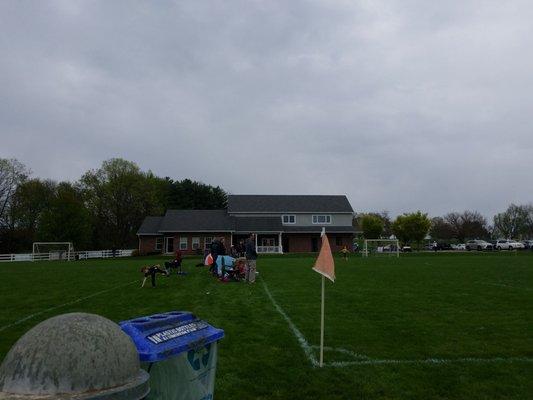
x: 401, y: 105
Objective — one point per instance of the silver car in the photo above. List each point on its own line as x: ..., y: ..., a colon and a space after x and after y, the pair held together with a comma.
x: 478, y: 245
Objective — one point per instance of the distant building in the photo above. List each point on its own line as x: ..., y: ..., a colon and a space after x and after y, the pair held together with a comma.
x: 282, y: 224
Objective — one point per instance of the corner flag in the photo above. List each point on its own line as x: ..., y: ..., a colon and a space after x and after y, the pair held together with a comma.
x: 325, y: 266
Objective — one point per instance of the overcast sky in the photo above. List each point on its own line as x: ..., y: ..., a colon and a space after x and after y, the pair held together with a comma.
x: 401, y: 105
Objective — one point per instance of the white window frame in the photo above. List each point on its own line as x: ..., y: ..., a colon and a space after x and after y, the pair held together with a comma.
x: 184, y: 241
x: 159, y: 243
x: 327, y: 218
x: 289, y: 217
x: 195, y: 243
x: 207, y: 245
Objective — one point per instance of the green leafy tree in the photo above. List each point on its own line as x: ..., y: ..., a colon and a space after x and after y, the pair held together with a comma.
x: 192, y: 195
x: 66, y: 219
x: 372, y: 226
x: 411, y: 227
x: 119, y: 196
x: 31, y: 198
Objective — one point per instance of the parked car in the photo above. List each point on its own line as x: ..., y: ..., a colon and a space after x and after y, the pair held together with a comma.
x: 460, y: 246
x: 478, y: 245
x: 508, y: 244
x: 528, y: 244
x: 407, y: 249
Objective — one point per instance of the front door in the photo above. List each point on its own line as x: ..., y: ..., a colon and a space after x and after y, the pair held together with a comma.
x: 169, y: 244
x: 314, y: 244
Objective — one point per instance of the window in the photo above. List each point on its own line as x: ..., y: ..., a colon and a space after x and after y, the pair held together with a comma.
x: 338, y: 240
x: 268, y: 242
x: 158, y: 243
x: 207, y: 242
x: 195, y: 243
x: 288, y: 219
x: 183, y: 243
x: 321, y: 219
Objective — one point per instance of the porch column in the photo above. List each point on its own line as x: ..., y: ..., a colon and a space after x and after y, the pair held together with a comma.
x: 280, y: 247
x: 255, y: 242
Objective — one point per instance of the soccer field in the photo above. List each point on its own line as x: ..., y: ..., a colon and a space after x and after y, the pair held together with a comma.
x: 424, y: 326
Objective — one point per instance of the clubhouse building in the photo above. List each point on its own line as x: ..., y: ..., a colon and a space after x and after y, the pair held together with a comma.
x: 282, y: 224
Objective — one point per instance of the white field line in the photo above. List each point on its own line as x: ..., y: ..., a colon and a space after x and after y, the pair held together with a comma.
x: 20, y: 321
x: 301, y: 339
x: 506, y: 286
x: 435, y: 361
x: 361, y: 359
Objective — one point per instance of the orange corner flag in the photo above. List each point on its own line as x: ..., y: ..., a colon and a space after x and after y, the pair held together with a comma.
x: 324, y: 264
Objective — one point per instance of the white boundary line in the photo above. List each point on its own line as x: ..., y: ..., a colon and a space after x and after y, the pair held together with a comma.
x: 361, y: 359
x: 301, y: 338
x: 20, y: 321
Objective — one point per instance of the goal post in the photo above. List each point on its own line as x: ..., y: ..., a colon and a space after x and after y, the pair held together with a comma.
x: 52, y: 251
x: 389, y: 247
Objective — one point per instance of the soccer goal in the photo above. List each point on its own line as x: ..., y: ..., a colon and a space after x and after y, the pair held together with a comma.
x: 390, y: 247
x: 53, y: 251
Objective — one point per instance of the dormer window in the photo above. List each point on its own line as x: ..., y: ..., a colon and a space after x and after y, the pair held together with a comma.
x: 321, y: 219
x: 288, y: 219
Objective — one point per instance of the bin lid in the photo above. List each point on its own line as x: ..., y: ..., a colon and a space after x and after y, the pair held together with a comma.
x: 160, y: 336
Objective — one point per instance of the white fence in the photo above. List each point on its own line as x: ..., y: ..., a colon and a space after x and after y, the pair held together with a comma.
x: 63, y: 255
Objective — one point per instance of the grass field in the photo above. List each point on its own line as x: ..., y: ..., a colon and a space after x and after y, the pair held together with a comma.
x: 425, y: 326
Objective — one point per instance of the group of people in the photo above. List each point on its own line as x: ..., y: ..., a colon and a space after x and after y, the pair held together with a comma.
x: 239, y: 265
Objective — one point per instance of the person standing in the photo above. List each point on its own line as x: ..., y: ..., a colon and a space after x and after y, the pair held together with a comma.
x: 251, y: 259
x: 344, y: 253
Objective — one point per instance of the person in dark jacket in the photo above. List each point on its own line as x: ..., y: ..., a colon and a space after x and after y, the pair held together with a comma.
x: 251, y: 259
x: 217, y: 249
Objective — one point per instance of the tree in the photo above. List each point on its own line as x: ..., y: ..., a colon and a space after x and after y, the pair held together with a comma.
x: 12, y: 174
x: 383, y: 216
x: 372, y: 226
x: 515, y: 222
x: 31, y: 198
x: 441, y: 229
x: 192, y: 195
x: 66, y: 219
x: 119, y: 196
x: 411, y: 227
x: 468, y: 225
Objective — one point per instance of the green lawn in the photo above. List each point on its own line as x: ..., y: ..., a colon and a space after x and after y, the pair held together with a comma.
x: 428, y: 326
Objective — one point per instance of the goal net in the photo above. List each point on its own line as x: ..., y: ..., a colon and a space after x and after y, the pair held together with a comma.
x: 53, y: 251
x: 389, y: 247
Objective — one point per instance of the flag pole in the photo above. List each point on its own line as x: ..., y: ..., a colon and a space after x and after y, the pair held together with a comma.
x: 322, y: 323
x: 322, y: 234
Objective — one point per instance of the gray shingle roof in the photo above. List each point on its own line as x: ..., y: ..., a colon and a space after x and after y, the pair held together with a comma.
x: 258, y: 224
x: 196, y: 220
x: 150, y: 226
x: 288, y: 203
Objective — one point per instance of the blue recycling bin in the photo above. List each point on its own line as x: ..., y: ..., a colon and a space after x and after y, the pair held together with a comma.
x: 179, y: 351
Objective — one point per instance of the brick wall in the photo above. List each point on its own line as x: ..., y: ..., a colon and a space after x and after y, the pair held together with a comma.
x: 301, y: 243
x: 147, y: 243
